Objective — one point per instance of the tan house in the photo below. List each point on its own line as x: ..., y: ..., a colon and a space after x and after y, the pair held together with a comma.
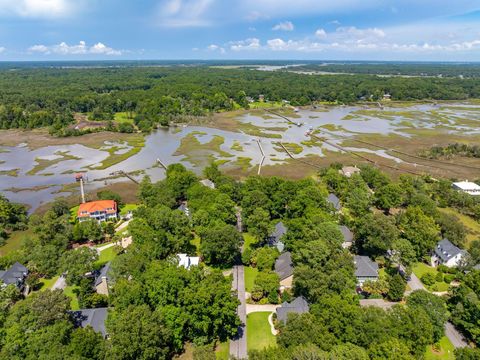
x: 284, y: 270
x: 102, y: 280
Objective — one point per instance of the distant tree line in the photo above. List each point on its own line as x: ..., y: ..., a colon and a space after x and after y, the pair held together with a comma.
x: 32, y: 98
x: 452, y: 150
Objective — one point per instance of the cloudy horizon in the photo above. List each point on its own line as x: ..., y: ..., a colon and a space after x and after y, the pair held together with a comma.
x: 260, y: 29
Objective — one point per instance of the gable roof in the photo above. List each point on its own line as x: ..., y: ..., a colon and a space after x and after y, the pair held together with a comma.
x: 445, y: 250
x: 284, y: 265
x: 103, y: 274
x: 334, y: 200
x: 347, y: 234
x: 298, y: 306
x: 91, y: 317
x: 279, y: 231
x: 14, y: 275
x: 365, y: 267
x: 100, y: 205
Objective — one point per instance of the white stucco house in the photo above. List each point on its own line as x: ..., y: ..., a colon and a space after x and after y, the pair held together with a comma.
x: 445, y: 253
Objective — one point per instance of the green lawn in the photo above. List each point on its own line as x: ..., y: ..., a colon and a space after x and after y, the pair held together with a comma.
x: 14, y: 241
x: 473, y: 227
x: 223, y: 351
x: 128, y: 207
x: 74, y: 305
x: 248, y: 241
x: 47, y: 283
x: 122, y: 117
x: 445, y: 353
x: 259, y: 334
x: 106, y: 256
x: 196, y: 242
x: 421, y: 269
x: 250, y: 275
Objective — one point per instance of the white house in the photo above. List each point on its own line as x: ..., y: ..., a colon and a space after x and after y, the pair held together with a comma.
x: 445, y: 253
x: 187, y: 261
x: 467, y: 187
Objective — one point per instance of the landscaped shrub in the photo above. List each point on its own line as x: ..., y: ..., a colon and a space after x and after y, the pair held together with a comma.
x: 428, y: 279
x: 442, y: 268
x: 439, y: 277
x: 448, y: 278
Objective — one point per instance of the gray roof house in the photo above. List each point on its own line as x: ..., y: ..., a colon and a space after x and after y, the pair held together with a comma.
x: 445, y: 253
x: 334, y: 201
x: 298, y: 306
x: 15, y: 275
x: 102, y: 280
x: 275, y: 238
x: 91, y: 317
x: 284, y: 266
x: 347, y: 236
x: 365, y: 269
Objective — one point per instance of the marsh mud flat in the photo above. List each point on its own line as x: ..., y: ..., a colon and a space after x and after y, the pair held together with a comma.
x: 41, y: 168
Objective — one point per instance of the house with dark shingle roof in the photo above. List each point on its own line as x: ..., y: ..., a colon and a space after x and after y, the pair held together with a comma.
x: 274, y: 239
x: 333, y: 200
x: 298, y: 306
x: 347, y: 236
x: 365, y: 269
x: 91, y: 317
x: 284, y: 270
x: 102, y: 280
x: 445, y: 253
x: 15, y: 275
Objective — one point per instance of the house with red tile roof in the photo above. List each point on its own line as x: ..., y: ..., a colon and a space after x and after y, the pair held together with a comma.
x: 101, y: 210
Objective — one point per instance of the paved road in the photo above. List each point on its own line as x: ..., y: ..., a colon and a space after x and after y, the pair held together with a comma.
x: 251, y: 308
x: 457, y: 339
x: 238, y: 346
x: 59, y: 284
x: 377, y: 302
x: 415, y: 284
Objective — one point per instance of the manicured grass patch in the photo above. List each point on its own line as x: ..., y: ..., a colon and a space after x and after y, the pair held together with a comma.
x: 46, y: 284
x: 15, y: 240
x: 106, y: 256
x: 223, y: 351
x: 471, y: 224
x: 446, y: 351
x: 421, y: 269
x: 128, y: 207
x: 248, y: 241
x: 250, y: 276
x: 74, y: 305
x: 259, y: 334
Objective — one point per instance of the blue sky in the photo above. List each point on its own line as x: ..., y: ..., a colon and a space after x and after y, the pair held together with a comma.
x: 443, y: 30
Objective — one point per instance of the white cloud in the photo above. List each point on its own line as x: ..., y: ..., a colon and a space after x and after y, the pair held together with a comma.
x: 214, y: 47
x: 2, y: 49
x: 79, y: 49
x: 321, y: 34
x: 183, y: 13
x: 248, y: 44
x: 38, y: 8
x: 284, y: 26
